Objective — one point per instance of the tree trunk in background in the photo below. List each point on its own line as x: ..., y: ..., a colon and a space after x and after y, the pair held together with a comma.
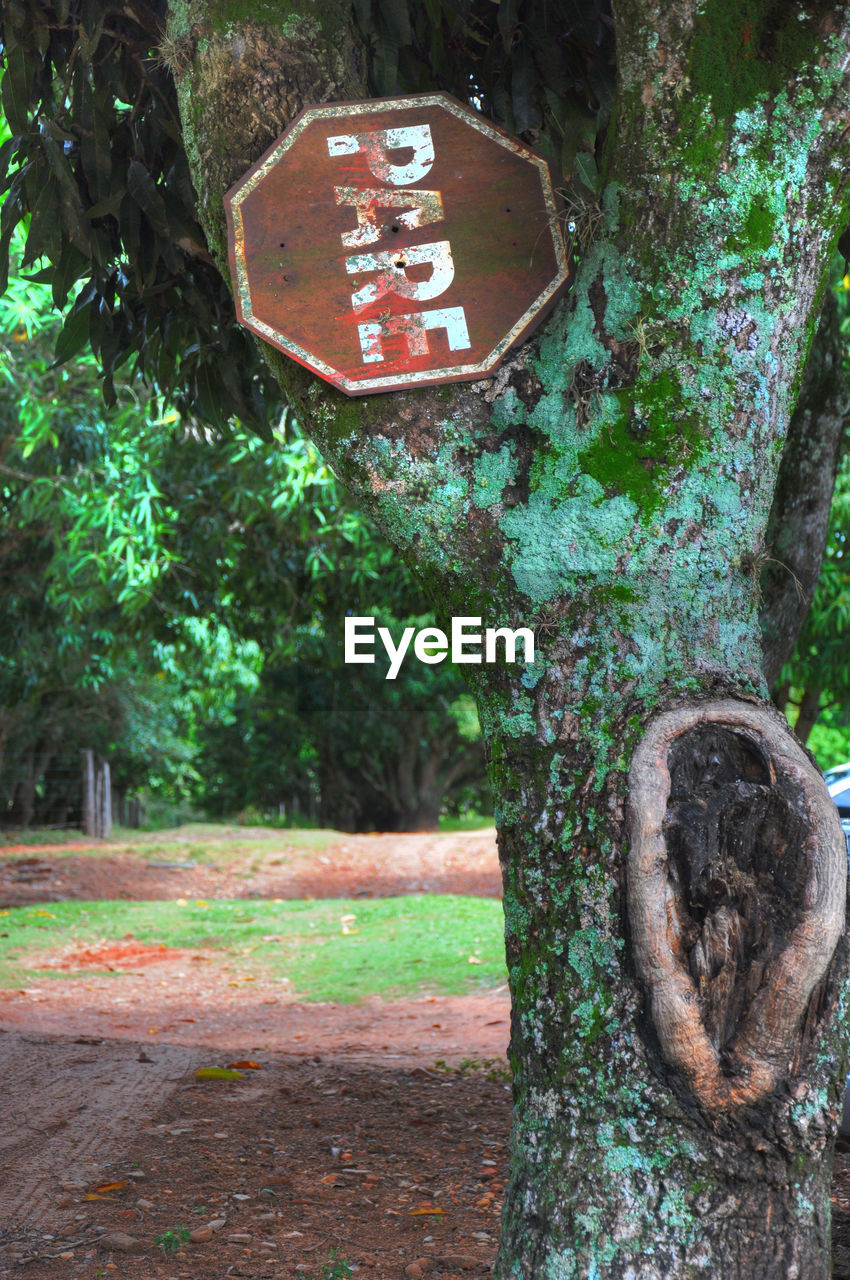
x: 25, y: 798
x: 676, y: 1028
x: 808, y: 713
x: 799, y: 519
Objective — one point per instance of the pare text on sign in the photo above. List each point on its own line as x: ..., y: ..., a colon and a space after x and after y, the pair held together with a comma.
x: 396, y: 243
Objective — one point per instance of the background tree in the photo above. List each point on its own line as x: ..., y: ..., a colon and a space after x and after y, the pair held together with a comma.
x: 78, y: 557
x: 171, y: 598
x: 674, y: 875
x: 817, y: 676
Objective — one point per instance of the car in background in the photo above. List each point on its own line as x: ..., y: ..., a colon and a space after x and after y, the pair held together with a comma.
x: 840, y: 792
x: 837, y: 773
x: 837, y: 782
x: 838, y: 785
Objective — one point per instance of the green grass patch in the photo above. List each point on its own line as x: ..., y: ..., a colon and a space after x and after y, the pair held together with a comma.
x: 333, y: 950
x: 471, y: 821
x: 41, y: 838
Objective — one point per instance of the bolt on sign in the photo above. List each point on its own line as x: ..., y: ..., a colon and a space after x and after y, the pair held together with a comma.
x: 396, y: 243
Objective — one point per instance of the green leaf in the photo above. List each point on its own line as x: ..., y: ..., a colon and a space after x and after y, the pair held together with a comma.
x: 524, y: 91
x: 5, y: 239
x: 10, y: 215
x: 218, y: 1073
x: 74, y: 333
x: 71, y: 266
x: 142, y: 188
x: 110, y: 205
x: 508, y: 18
x: 7, y: 150
x: 844, y: 247
x: 73, y: 215
x: 45, y: 233
x: 586, y: 170
x: 44, y: 276
x: 129, y: 220
x: 95, y: 149
x: 363, y: 16
x: 17, y: 83
x: 89, y: 40
x: 396, y: 19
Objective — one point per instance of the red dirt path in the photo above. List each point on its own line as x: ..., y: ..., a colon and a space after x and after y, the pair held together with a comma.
x: 348, y: 1138
x: 254, y: 863
x: 178, y: 998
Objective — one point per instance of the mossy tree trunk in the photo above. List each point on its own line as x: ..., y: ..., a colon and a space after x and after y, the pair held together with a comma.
x: 674, y: 880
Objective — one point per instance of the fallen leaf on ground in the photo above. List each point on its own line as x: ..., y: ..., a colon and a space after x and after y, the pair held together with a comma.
x: 217, y: 1073
x: 244, y: 1065
x: 426, y: 1209
x: 111, y: 1186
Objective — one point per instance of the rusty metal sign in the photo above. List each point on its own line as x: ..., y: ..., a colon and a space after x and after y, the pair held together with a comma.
x: 396, y: 243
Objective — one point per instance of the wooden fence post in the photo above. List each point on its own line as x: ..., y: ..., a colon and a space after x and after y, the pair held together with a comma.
x: 89, y: 812
x: 105, y: 801
x: 97, y: 796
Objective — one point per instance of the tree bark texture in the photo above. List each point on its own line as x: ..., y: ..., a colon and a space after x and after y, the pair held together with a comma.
x: 676, y: 1054
x: 736, y: 882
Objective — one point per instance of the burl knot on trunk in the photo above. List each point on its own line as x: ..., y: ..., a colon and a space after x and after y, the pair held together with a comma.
x: 737, y: 874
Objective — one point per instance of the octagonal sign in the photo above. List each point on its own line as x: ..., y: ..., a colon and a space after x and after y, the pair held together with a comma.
x: 396, y: 243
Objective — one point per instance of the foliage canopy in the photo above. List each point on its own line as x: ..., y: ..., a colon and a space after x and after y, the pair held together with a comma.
x: 96, y: 172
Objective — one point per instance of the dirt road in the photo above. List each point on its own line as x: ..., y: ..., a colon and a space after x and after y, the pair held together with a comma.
x: 346, y: 1138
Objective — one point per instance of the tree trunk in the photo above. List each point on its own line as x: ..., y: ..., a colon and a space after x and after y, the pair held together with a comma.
x: 652, y: 1141
x: 425, y: 815
x: 799, y: 520
x: 676, y: 1024
x: 25, y: 799
x: 809, y: 712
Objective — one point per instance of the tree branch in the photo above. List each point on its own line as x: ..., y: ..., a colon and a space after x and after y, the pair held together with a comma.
x: 799, y: 519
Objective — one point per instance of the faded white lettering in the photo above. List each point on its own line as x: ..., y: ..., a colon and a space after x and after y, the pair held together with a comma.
x: 377, y: 145
x: 413, y: 328
x: 420, y: 208
x: 392, y: 274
